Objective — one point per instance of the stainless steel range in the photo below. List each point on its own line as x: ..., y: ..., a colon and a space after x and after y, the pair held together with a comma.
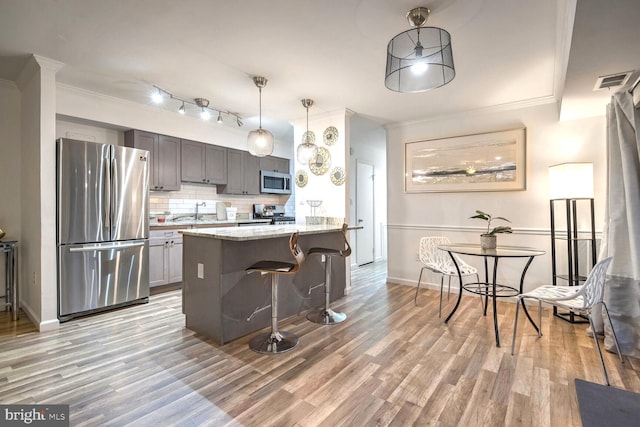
x: 274, y: 212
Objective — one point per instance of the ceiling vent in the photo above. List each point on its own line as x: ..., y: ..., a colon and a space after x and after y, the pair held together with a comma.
x: 612, y: 80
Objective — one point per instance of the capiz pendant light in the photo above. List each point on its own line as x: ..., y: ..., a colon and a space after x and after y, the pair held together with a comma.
x: 307, y: 150
x: 260, y: 141
x: 421, y: 58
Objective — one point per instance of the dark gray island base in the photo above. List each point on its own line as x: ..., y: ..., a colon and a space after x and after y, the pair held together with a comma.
x: 219, y: 297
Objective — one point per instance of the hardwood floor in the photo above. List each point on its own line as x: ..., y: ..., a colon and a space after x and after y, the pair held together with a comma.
x: 390, y: 363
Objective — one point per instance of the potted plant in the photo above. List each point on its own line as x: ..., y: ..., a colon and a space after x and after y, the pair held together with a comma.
x: 488, y: 240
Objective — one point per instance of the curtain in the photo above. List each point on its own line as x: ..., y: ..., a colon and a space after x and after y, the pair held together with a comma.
x: 621, y: 231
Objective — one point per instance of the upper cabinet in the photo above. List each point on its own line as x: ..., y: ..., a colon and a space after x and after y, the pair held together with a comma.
x: 274, y: 164
x: 164, y: 158
x: 203, y: 163
x: 243, y: 173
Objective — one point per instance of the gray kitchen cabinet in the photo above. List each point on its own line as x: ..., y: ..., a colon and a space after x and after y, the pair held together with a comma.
x: 165, y: 257
x: 157, y: 266
x: 243, y: 173
x: 203, y: 163
x: 164, y: 158
x: 275, y: 164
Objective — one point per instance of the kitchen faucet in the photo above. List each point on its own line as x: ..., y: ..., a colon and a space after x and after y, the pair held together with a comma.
x: 203, y: 204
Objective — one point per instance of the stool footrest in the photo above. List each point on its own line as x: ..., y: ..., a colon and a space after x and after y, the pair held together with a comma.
x: 319, y: 285
x: 256, y: 311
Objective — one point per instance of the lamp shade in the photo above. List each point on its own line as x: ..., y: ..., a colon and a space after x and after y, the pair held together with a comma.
x: 260, y: 142
x: 419, y: 59
x: 305, y: 152
x: 571, y: 181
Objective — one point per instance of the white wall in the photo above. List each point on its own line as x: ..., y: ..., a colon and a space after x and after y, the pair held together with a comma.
x: 320, y: 187
x: 368, y: 144
x: 411, y: 216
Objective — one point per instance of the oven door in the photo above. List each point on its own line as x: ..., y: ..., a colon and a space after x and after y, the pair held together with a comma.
x: 275, y: 182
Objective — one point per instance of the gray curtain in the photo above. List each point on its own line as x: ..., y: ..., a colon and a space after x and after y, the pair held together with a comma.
x: 621, y: 238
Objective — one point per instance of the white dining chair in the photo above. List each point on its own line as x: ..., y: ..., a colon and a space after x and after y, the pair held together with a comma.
x: 440, y: 262
x: 581, y: 299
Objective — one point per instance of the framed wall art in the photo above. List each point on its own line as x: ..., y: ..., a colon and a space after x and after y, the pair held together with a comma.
x: 492, y: 161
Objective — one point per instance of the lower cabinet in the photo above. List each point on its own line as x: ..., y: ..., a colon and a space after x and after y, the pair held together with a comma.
x: 165, y: 257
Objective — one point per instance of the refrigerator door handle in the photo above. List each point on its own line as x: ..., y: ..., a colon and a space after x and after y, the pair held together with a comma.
x: 106, y: 197
x: 104, y: 247
x: 114, y: 193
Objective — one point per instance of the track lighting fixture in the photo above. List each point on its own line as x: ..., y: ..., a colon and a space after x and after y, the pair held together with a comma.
x: 205, y: 111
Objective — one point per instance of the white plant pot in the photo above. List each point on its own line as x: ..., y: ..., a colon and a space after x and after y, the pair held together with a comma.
x: 488, y: 241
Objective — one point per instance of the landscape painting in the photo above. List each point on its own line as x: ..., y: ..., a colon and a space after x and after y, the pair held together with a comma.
x: 482, y: 162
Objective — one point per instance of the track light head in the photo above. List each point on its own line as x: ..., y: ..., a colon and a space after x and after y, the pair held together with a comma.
x: 156, y: 97
x: 202, y: 102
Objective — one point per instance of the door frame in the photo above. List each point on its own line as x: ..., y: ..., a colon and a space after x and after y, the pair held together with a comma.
x: 373, y: 210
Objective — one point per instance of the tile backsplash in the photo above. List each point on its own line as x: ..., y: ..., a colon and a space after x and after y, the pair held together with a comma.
x: 184, y: 201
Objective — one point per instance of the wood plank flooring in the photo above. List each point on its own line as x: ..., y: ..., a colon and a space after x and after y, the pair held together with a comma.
x: 390, y: 363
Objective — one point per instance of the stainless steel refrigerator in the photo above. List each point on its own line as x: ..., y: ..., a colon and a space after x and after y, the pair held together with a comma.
x: 103, y: 227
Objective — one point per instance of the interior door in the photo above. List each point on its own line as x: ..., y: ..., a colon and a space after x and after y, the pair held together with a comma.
x: 365, y: 237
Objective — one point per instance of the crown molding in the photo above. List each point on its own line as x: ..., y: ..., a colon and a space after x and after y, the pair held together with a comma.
x: 510, y: 106
x: 34, y: 64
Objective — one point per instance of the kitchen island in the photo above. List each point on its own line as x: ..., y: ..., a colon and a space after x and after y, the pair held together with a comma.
x: 219, y: 296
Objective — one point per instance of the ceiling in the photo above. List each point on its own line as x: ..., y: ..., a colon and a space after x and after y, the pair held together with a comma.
x: 506, y: 52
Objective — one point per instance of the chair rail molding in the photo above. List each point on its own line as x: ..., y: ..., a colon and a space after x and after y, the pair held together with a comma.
x: 474, y: 230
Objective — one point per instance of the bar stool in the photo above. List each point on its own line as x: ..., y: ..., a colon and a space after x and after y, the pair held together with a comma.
x: 276, y: 341
x: 327, y: 316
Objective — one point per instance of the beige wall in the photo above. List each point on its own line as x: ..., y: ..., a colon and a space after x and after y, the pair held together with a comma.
x: 37, y: 206
x: 10, y: 159
x: 411, y: 216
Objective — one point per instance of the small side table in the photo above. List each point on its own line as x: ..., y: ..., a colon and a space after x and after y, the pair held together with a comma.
x: 11, y: 278
x: 491, y: 288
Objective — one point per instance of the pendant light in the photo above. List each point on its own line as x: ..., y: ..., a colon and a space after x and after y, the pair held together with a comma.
x: 260, y: 141
x: 307, y: 150
x: 421, y: 58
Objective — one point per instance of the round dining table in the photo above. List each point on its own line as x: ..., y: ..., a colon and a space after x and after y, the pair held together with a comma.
x: 491, y: 288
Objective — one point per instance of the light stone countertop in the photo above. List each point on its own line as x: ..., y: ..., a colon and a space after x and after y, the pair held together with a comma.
x: 259, y: 232
x: 189, y: 223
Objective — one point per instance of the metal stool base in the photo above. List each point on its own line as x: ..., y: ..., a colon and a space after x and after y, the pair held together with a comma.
x: 326, y: 317
x: 273, y: 343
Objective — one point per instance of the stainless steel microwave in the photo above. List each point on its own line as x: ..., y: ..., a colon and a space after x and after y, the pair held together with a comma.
x: 275, y: 182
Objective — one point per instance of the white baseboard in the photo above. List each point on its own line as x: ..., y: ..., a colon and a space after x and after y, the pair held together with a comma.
x: 47, y: 325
